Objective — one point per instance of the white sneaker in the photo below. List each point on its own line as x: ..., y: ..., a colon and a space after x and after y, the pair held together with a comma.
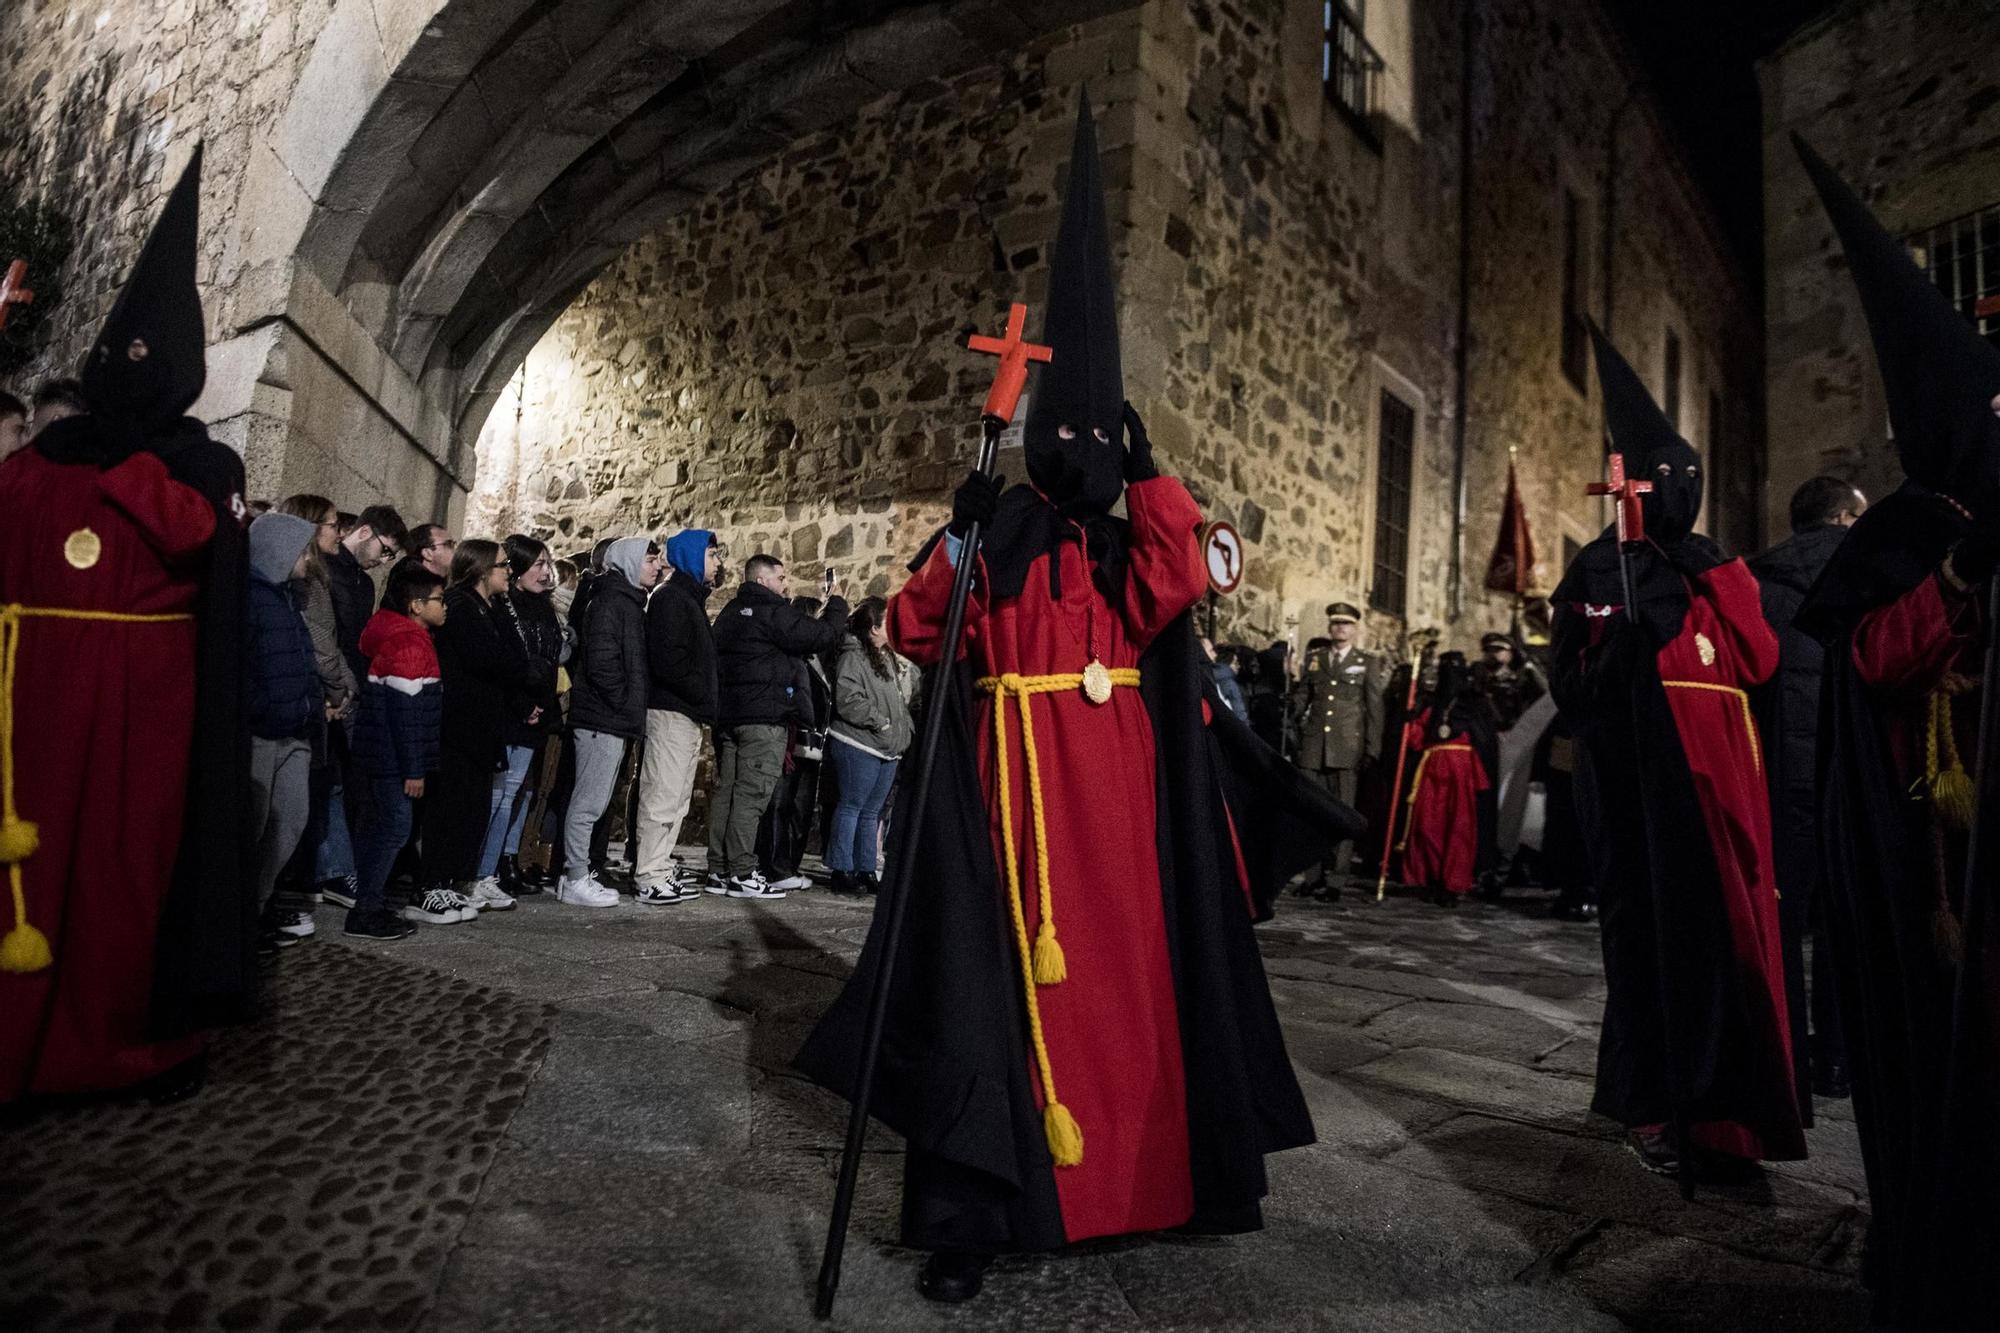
x: 663, y: 894
x: 753, y: 886
x: 487, y: 897
x: 792, y: 883
x: 299, y: 925
x: 586, y: 892
x: 467, y: 909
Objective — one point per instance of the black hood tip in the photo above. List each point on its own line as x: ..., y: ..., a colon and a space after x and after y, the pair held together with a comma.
x: 1642, y: 435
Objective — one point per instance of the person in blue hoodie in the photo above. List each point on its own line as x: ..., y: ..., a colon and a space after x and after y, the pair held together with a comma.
x: 286, y: 699
x: 680, y: 701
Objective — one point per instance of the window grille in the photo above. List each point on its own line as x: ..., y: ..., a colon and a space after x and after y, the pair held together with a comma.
x: 1395, y: 456
x: 1962, y: 256
x: 1352, y: 70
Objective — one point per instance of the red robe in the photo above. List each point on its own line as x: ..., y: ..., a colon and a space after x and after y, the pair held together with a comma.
x: 1441, y: 842
x: 1726, y: 647
x: 1111, y: 1028
x: 104, y: 712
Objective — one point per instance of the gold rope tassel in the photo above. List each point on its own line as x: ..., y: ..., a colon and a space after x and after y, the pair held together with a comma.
x: 1952, y: 790
x: 25, y: 948
x: 1042, y: 963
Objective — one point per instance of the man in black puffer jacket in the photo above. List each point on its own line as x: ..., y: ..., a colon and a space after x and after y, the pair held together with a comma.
x: 1822, y: 511
x: 680, y: 701
x: 607, y: 704
x: 759, y: 639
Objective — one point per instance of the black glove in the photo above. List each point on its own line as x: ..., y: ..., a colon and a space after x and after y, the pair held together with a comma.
x: 1973, y: 559
x: 1138, y: 449
x: 976, y: 500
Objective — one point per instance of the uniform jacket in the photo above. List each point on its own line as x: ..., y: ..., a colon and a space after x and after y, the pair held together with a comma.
x: 1338, y: 700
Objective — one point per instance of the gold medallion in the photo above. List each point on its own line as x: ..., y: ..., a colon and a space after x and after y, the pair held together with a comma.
x: 1097, y: 683
x: 1705, y: 648
x: 83, y: 549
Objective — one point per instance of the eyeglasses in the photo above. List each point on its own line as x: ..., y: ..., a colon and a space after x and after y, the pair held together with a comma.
x: 445, y: 545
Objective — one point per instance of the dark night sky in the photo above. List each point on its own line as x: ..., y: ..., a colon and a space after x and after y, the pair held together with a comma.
x: 1700, y: 56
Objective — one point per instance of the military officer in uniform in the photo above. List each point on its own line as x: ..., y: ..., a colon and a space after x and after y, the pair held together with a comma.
x: 1338, y: 703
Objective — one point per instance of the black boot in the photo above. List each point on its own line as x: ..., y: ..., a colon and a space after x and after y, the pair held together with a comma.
x: 841, y: 882
x: 865, y: 882
x: 511, y: 883
x: 952, y: 1276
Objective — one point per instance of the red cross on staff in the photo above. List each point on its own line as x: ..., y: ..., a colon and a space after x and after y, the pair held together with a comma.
x: 12, y: 293
x: 1014, y: 354
x: 1631, y: 516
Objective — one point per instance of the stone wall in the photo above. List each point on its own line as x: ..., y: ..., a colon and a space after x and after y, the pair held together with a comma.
x: 1903, y: 98
x: 778, y: 363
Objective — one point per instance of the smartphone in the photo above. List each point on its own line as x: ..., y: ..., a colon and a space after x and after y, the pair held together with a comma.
x: 826, y: 582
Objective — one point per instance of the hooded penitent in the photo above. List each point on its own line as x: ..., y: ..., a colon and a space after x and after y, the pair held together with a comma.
x: 1912, y: 951
x: 1074, y: 432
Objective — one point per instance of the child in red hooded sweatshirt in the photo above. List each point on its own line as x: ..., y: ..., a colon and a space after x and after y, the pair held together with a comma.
x: 396, y: 744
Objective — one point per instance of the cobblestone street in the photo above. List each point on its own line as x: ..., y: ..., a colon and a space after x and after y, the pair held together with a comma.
x: 567, y: 1119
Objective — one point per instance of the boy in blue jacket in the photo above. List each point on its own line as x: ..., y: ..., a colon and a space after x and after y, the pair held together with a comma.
x: 285, y: 696
x: 395, y: 745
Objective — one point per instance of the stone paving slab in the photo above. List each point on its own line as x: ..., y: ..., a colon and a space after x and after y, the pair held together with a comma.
x: 665, y: 1170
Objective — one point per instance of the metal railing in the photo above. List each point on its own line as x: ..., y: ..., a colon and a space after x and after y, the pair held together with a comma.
x: 1352, y: 71
x: 1962, y: 256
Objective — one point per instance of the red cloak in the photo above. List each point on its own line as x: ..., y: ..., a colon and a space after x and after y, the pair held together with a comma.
x: 103, y: 712
x: 1110, y: 1027
x: 1441, y: 842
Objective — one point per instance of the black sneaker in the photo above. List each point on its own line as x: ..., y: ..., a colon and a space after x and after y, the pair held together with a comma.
x: 339, y: 890
x: 376, y: 924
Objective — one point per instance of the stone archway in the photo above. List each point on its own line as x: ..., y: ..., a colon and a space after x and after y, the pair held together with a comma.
x: 447, y: 175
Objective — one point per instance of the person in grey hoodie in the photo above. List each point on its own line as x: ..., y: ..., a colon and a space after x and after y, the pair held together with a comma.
x: 607, y: 705
x: 287, y: 702
x: 871, y: 730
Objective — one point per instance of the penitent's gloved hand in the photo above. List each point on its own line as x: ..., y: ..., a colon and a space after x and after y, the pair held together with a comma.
x: 976, y: 501
x: 1139, y: 464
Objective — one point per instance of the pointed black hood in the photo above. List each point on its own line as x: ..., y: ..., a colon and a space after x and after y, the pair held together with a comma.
x: 1939, y: 375
x: 1082, y: 390
x: 148, y: 365
x: 1652, y: 449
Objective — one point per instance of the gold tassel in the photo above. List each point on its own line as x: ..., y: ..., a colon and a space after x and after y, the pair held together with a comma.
x: 1050, y: 967
x: 18, y: 840
x: 1947, y: 935
x: 25, y: 949
x: 1064, y: 1134
x: 1953, y: 794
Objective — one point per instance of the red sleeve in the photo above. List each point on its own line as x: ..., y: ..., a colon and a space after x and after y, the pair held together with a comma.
x: 1168, y: 574
x: 917, y: 613
x: 176, y: 520
x: 1739, y: 604
x: 1907, y: 644
x: 1414, y: 738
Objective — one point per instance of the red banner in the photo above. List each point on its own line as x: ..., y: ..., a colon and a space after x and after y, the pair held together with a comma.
x: 1512, y: 568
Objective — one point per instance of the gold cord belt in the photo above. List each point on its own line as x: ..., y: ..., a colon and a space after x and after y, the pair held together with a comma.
x: 1043, y: 965
x: 24, y: 948
x: 1742, y: 701
x: 1417, y: 785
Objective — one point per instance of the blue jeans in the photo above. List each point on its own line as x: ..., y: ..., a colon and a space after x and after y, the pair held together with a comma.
x: 382, y: 836
x: 500, y: 814
x: 864, y: 789
x: 334, y: 858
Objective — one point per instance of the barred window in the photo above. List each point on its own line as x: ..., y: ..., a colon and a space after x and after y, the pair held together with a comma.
x: 1962, y: 256
x: 1352, y: 70
x: 1395, y: 456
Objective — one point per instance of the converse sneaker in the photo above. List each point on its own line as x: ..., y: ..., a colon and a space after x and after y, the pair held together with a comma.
x: 753, y: 886
x: 488, y: 896
x: 467, y: 909
x: 437, y: 907
x: 299, y: 925
x: 792, y: 883
x: 663, y: 894
x: 376, y: 924
x: 339, y: 890
x: 586, y: 892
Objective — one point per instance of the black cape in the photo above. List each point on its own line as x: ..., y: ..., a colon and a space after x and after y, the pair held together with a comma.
x: 953, y: 1077
x: 1926, y: 1144
x: 1677, y: 1038
x: 205, y: 970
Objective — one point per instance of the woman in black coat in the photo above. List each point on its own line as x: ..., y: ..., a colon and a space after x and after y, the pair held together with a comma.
x: 485, y: 669
x: 527, y: 611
